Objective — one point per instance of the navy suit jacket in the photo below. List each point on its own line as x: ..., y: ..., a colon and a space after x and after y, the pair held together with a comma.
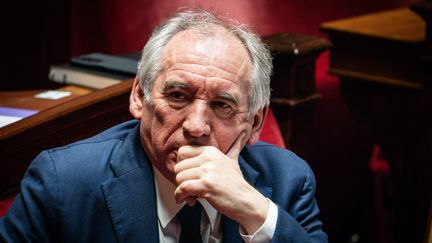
x: 102, y: 190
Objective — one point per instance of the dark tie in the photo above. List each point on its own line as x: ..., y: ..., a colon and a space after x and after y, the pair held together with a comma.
x: 190, y: 221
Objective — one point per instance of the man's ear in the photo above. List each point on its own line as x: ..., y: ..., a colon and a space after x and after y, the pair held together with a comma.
x: 136, y: 100
x: 257, y: 126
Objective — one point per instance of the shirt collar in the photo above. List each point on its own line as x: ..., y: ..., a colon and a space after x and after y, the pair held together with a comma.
x: 167, y: 208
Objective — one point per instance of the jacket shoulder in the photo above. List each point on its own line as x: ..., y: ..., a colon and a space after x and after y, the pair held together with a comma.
x: 91, y: 156
x: 278, y: 165
x: 264, y: 154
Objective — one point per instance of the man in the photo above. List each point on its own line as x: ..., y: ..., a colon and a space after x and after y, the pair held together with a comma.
x: 200, y: 99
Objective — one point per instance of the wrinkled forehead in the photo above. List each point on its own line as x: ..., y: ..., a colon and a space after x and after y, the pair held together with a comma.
x: 209, y: 47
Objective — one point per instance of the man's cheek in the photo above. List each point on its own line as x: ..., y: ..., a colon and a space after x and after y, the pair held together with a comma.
x: 164, y: 114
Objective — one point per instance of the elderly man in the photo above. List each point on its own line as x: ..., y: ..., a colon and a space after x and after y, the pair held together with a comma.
x: 190, y: 168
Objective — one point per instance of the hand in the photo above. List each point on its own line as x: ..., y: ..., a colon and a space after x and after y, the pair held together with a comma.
x: 206, y: 172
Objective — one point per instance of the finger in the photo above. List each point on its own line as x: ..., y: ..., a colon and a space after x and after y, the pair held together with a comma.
x: 188, y: 151
x: 191, y: 201
x: 190, y: 188
x: 187, y: 164
x: 235, y: 149
x: 188, y: 174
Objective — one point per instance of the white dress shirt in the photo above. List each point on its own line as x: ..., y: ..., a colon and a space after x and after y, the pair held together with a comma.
x: 211, y: 226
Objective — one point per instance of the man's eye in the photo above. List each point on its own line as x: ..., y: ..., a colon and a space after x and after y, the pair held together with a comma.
x: 177, y: 96
x: 220, y: 104
x: 222, y: 109
x: 176, y: 99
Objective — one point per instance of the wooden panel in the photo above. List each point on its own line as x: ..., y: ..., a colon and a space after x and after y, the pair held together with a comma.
x: 294, y: 96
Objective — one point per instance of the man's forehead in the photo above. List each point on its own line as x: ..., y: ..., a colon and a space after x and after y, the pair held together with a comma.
x: 222, y: 52
x: 218, y: 64
x: 210, y: 43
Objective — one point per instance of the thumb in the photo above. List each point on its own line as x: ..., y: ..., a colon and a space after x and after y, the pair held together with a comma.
x: 236, y: 147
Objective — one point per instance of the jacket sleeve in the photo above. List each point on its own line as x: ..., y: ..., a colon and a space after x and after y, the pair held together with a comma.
x: 299, y: 222
x: 32, y: 216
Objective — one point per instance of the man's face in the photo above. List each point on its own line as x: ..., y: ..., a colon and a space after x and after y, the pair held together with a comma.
x: 200, y: 97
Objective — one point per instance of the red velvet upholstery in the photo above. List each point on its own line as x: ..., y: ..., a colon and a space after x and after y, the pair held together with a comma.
x: 271, y: 132
x: 380, y: 168
x: 5, y: 204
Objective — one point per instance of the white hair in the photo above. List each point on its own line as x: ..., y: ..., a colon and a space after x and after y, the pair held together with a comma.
x: 150, y: 63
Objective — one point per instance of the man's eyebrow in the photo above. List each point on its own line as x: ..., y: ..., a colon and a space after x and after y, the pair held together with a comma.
x: 175, y: 85
x: 179, y: 85
x: 228, y: 96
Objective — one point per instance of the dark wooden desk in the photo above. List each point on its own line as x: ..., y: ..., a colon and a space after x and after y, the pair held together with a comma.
x: 59, y: 122
x: 25, y: 99
x: 383, y: 79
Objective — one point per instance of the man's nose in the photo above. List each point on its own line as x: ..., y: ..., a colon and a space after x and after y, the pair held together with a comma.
x: 197, y: 119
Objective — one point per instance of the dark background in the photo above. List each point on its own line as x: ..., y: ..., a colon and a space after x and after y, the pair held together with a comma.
x: 37, y: 34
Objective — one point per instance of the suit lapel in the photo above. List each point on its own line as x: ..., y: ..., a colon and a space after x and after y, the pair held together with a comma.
x: 133, y: 208
x: 230, y: 227
x: 130, y: 195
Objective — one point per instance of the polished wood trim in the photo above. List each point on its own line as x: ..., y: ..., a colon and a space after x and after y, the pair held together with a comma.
x: 64, y: 109
x: 374, y: 78
x: 397, y: 25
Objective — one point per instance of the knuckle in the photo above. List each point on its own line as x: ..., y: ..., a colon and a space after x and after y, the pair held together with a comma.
x: 205, y: 169
x: 209, y: 168
x: 206, y: 158
x: 184, y: 186
x: 211, y: 149
x: 208, y: 182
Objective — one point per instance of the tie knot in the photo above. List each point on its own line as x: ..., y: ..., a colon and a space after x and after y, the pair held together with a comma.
x: 190, y: 221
